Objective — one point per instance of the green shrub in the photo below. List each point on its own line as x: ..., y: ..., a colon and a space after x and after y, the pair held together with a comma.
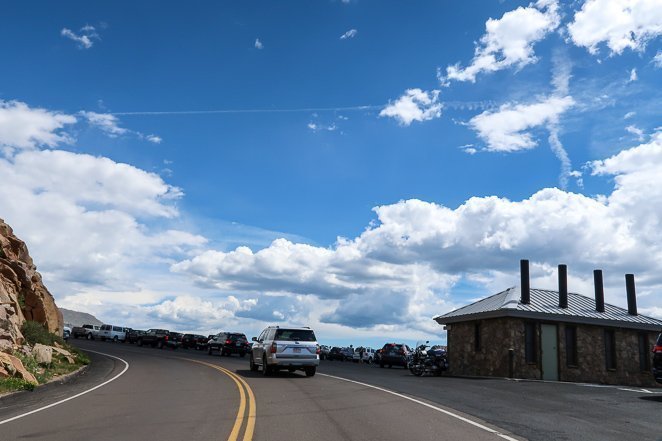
x: 36, y: 333
x: 13, y: 384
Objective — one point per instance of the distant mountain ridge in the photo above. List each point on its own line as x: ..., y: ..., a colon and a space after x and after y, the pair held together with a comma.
x: 76, y: 318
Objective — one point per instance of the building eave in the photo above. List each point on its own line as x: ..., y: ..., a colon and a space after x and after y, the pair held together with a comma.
x: 548, y: 317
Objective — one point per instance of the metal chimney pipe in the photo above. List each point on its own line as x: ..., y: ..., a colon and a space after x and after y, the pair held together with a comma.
x: 632, y: 294
x: 525, y: 288
x: 563, y: 286
x: 599, y: 291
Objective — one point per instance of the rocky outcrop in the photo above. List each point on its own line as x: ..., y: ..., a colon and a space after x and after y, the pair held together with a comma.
x: 23, y: 296
x: 11, y: 366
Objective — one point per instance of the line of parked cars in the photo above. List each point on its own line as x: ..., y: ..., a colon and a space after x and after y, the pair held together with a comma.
x: 391, y: 354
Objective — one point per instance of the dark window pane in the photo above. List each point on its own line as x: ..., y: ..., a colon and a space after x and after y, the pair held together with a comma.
x: 295, y: 334
x: 644, y: 360
x: 610, y: 349
x: 571, y: 345
x: 530, y: 347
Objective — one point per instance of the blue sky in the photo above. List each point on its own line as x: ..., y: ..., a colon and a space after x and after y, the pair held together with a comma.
x: 221, y: 164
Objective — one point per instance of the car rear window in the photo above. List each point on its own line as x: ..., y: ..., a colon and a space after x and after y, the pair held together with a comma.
x: 237, y: 336
x: 295, y: 335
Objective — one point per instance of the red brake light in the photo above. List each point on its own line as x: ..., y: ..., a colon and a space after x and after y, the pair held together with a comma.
x: 228, y: 342
x: 657, y: 349
x: 273, y: 348
x: 318, y: 350
x: 166, y: 338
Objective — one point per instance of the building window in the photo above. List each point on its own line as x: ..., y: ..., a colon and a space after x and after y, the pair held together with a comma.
x: 610, y: 349
x: 571, y: 346
x: 530, y: 346
x: 644, y: 360
x: 477, y: 336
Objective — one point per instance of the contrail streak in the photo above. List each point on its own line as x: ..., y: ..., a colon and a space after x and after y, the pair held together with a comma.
x: 464, y: 105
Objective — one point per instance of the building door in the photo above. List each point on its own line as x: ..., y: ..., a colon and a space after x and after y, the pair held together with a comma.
x: 550, y: 352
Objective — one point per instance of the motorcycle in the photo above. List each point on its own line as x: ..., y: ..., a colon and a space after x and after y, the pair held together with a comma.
x: 428, y: 361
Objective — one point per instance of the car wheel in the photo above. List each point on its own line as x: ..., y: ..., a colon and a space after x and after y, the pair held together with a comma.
x: 89, y: 336
x: 115, y: 339
x: 266, y: 370
x: 381, y: 365
x: 160, y: 344
x: 310, y: 371
x: 140, y: 342
x: 252, y: 364
x: 242, y: 354
x: 209, y: 350
x: 390, y: 366
x: 369, y: 360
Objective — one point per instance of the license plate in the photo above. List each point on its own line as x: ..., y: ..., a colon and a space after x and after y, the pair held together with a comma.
x: 297, y: 350
x: 238, y: 344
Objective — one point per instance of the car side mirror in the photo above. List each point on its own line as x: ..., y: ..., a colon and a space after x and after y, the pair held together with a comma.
x: 254, y: 339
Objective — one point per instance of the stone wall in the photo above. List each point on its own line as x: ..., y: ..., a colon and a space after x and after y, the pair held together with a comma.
x: 501, y: 334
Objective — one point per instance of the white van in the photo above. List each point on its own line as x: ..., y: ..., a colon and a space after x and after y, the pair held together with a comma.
x: 111, y: 332
x: 368, y: 355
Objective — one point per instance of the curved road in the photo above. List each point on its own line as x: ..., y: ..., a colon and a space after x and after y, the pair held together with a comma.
x: 186, y: 394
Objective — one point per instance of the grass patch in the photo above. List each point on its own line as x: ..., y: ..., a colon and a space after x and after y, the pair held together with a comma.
x: 35, y: 332
x: 14, y: 384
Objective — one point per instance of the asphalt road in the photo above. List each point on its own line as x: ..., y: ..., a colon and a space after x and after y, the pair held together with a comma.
x: 189, y: 395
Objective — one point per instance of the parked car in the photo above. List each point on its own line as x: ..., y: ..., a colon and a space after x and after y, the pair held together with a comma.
x: 154, y: 338
x: 228, y: 343
x: 112, y: 332
x: 66, y: 333
x: 133, y: 335
x: 366, y: 355
x: 174, y: 340
x: 324, y: 351
x: 285, y: 348
x: 335, y: 353
x: 657, y: 360
x: 194, y: 341
x: 394, y: 354
x: 89, y: 332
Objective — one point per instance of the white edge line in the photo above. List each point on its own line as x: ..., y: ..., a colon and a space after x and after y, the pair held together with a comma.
x: 438, y: 409
x: 126, y: 367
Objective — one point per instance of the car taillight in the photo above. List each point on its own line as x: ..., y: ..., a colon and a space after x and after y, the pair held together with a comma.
x: 228, y: 342
x: 657, y: 349
x: 273, y: 348
x: 166, y: 338
x: 318, y: 350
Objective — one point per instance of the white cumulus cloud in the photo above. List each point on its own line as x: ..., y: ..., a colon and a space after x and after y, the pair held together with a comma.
x: 24, y: 128
x: 106, y: 122
x: 620, y: 24
x: 506, y: 129
x: 85, y: 36
x: 349, y: 34
x: 508, y: 41
x: 414, y: 105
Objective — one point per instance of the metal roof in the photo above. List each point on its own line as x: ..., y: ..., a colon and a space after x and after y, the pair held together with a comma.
x: 545, y: 306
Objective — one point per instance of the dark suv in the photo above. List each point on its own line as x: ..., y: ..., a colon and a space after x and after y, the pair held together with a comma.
x: 228, y: 343
x: 394, y: 354
x: 195, y: 341
x: 155, y: 338
x: 657, y: 360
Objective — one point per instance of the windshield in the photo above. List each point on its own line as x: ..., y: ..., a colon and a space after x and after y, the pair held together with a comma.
x: 295, y: 335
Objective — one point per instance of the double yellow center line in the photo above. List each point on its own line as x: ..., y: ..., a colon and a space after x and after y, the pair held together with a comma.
x: 241, y: 414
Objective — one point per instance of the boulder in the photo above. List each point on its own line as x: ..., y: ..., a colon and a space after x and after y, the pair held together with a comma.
x: 15, y: 368
x: 65, y: 353
x: 42, y: 353
x: 23, y: 295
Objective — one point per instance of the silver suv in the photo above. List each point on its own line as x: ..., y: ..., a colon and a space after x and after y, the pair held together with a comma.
x: 285, y: 348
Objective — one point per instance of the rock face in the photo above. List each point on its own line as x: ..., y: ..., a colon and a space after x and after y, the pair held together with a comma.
x: 23, y: 296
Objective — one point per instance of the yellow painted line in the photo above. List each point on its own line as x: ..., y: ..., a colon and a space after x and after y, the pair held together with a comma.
x: 250, y: 422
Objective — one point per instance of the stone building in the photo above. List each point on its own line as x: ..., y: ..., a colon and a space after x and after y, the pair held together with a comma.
x: 552, y: 335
